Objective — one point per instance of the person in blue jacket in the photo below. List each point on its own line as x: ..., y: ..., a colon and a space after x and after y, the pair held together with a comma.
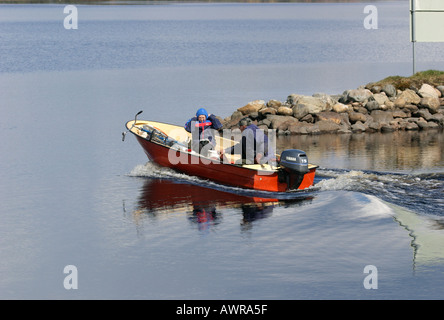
x: 253, y: 147
x: 202, y: 128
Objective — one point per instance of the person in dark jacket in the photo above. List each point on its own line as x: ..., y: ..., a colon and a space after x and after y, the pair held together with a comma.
x: 253, y: 146
x: 202, y: 128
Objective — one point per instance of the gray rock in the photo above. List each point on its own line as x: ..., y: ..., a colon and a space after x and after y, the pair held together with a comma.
x: 410, y: 108
x: 274, y: 104
x: 329, y: 116
x: 285, y: 123
x: 438, y: 118
x: 411, y: 126
x: 387, y: 128
x: 285, y: 111
x: 266, y: 122
x: 314, y: 104
x: 422, y: 124
x: 267, y: 110
x: 408, y: 96
x: 254, y: 115
x: 300, y: 128
x: 373, y: 126
x: 276, y: 121
x: 340, y: 107
x: 358, y: 95
x: 232, y: 121
x: 345, y: 119
x: 356, y: 117
x: 327, y: 99
x: 381, y: 117
x: 308, y: 118
x: 327, y: 126
x: 344, y: 129
x: 359, y: 108
x: 424, y: 113
x: 381, y: 98
x: 389, y: 90
x: 376, y: 89
x: 427, y: 90
x: 441, y: 89
x: 300, y: 111
x: 253, y: 106
x: 372, y: 105
x: 430, y: 103
x: 399, y: 114
x: 433, y: 125
x: 293, y: 98
x: 358, y: 127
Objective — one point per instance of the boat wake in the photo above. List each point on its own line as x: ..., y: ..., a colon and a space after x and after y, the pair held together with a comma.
x: 422, y: 193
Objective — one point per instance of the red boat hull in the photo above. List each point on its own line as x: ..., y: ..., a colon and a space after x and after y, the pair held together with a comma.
x: 227, y: 174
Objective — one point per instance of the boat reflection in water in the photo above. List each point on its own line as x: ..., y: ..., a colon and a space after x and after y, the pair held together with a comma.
x: 165, y: 198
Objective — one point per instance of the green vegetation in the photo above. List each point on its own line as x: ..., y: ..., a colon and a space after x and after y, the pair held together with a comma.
x: 432, y: 77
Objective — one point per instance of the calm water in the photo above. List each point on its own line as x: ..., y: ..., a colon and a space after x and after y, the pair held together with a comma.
x: 72, y: 193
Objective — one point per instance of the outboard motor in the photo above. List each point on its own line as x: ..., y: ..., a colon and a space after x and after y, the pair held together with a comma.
x: 294, y: 165
x: 294, y: 160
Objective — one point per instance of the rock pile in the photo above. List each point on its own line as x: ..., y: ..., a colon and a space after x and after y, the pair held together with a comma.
x: 370, y: 108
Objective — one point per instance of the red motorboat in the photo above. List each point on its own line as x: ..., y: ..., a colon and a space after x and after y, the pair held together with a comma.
x: 168, y: 145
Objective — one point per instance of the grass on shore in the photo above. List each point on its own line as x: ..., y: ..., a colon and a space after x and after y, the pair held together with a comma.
x: 432, y: 77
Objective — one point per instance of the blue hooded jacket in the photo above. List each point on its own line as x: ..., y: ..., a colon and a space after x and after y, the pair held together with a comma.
x: 201, y: 129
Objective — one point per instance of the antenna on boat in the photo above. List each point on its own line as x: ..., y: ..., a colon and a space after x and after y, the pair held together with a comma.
x: 135, y: 118
x: 134, y: 123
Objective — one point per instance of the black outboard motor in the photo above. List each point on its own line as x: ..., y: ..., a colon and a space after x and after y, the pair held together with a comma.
x: 294, y: 160
x: 294, y: 165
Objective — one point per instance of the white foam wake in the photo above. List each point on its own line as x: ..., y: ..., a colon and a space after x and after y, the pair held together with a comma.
x: 152, y: 170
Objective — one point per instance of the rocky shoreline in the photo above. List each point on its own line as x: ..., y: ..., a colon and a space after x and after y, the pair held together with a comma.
x: 370, y: 108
